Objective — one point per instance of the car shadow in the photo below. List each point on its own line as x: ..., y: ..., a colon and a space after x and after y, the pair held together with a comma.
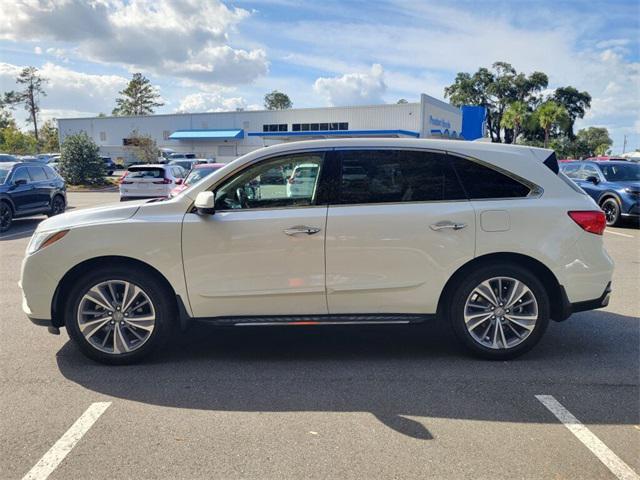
x: 395, y: 373
x: 21, y: 228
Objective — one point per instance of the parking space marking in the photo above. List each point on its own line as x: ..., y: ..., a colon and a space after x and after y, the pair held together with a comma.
x: 15, y: 234
x: 593, y: 443
x: 56, y: 454
x: 621, y: 234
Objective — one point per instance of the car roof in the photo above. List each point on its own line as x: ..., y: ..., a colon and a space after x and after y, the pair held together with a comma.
x: 208, y: 165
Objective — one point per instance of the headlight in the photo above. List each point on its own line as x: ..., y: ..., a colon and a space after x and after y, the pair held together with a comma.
x: 632, y: 191
x: 40, y: 240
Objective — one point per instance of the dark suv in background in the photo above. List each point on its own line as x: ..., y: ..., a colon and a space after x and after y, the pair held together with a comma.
x: 29, y: 188
x: 614, y: 185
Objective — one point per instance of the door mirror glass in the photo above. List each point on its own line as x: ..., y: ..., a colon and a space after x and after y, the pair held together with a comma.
x: 205, y: 203
x: 593, y: 179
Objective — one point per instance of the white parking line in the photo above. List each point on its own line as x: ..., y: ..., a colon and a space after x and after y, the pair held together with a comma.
x: 15, y: 234
x: 56, y: 454
x: 621, y: 234
x: 593, y: 443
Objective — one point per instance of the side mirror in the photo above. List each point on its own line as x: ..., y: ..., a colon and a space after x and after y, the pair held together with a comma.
x: 179, y: 181
x: 593, y: 179
x: 20, y: 181
x: 205, y: 203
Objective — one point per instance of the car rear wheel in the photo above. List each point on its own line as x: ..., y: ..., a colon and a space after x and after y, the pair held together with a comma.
x: 6, y: 216
x: 611, y: 210
x: 499, y: 312
x: 57, y: 206
x: 119, y: 315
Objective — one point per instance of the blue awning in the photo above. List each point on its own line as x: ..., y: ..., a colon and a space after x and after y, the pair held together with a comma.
x: 323, y: 133
x: 207, y: 135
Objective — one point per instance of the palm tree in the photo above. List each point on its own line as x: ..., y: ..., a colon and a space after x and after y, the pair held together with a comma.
x: 514, y: 117
x: 551, y: 114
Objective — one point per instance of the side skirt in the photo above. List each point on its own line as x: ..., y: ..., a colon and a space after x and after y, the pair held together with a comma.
x: 300, y: 320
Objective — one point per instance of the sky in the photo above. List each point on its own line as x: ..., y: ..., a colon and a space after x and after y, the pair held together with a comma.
x: 214, y: 55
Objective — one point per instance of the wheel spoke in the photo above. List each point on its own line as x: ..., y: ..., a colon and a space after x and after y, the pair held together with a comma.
x: 517, y: 292
x: 502, y: 337
x: 527, y: 323
x: 473, y: 321
x: 97, y: 297
x: 486, y: 291
x: 126, y: 302
x: 90, y: 328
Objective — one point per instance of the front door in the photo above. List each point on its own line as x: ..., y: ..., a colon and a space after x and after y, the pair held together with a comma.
x: 262, y: 252
x: 23, y: 191
x: 399, y: 225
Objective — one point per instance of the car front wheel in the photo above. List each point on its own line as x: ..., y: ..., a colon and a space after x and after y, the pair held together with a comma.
x: 611, y: 210
x: 499, y: 312
x: 119, y: 315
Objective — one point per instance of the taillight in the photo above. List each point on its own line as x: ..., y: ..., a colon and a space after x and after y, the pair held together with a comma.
x: 164, y: 181
x: 592, y: 221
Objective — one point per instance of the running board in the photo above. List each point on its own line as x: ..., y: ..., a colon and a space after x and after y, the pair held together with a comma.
x: 300, y: 320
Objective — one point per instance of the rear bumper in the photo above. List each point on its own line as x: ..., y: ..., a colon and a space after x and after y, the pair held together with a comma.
x: 568, y: 308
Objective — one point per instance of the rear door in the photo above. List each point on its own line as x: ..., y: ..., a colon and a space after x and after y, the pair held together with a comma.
x: 42, y: 187
x: 398, y: 226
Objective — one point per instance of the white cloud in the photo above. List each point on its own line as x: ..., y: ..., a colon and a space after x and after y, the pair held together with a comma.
x: 353, y: 88
x: 210, y: 102
x: 171, y: 37
x: 69, y: 93
x: 37, y: 50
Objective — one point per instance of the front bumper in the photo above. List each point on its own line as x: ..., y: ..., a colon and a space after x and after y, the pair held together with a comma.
x: 568, y: 308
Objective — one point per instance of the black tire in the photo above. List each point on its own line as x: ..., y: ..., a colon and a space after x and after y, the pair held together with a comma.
x: 124, y: 199
x: 463, y: 290
x: 611, y: 209
x: 6, y: 216
x: 160, y: 295
x: 58, y: 206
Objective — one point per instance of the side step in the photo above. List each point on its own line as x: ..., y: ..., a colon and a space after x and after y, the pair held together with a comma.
x: 298, y: 320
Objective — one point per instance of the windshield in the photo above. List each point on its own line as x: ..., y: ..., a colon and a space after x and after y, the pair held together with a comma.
x: 198, y: 174
x: 4, y: 171
x: 621, y: 172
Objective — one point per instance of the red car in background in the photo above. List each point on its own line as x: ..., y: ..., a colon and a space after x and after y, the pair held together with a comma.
x: 197, y: 173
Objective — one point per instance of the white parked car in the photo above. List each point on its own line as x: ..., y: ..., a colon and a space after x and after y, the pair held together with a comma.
x: 150, y: 181
x: 488, y: 237
x: 303, y: 180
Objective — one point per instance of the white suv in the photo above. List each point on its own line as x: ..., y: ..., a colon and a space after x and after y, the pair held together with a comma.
x: 490, y: 238
x: 150, y: 180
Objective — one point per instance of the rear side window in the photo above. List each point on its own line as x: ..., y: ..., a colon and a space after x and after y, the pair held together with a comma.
x: 50, y: 173
x: 481, y: 182
x: 145, y: 172
x: 37, y: 173
x: 383, y: 176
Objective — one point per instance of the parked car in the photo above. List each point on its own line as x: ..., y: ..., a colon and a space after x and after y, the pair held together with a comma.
x: 198, y: 172
x: 5, y: 157
x: 487, y: 237
x: 188, y: 164
x: 109, y: 165
x: 302, y: 181
x: 150, y: 181
x: 180, y: 156
x: 46, y: 157
x: 29, y: 189
x: 614, y: 185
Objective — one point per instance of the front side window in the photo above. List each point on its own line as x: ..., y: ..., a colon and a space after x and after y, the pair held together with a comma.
x: 255, y: 187
x: 383, y: 176
x: 482, y: 182
x: 21, y: 174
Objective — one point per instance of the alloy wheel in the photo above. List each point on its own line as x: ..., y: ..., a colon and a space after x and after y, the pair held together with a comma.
x: 610, y: 210
x: 116, y: 316
x: 500, y: 313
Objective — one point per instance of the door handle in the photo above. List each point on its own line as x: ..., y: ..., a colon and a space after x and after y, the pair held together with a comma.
x: 445, y: 225
x: 301, y: 229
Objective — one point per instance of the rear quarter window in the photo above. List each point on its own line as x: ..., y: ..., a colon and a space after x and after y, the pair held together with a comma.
x: 482, y: 182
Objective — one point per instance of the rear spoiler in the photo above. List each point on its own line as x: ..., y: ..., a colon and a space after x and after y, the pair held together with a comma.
x: 552, y: 163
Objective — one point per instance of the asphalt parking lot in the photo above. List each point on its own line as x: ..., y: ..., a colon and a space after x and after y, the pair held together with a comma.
x: 324, y: 402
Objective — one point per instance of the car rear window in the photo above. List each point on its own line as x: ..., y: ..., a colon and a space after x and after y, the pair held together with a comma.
x: 481, y: 182
x: 145, y: 172
x: 37, y: 173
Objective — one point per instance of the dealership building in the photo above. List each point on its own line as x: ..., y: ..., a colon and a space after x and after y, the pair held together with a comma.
x: 224, y: 136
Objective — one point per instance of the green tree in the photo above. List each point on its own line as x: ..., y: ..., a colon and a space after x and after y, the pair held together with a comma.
x: 49, y: 137
x: 514, y: 118
x: 495, y: 90
x: 592, y: 141
x: 402, y: 101
x: 551, y: 115
x: 143, y: 147
x: 29, y: 96
x: 277, y: 101
x: 80, y: 162
x: 12, y: 140
x: 576, y: 104
x: 139, y: 98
